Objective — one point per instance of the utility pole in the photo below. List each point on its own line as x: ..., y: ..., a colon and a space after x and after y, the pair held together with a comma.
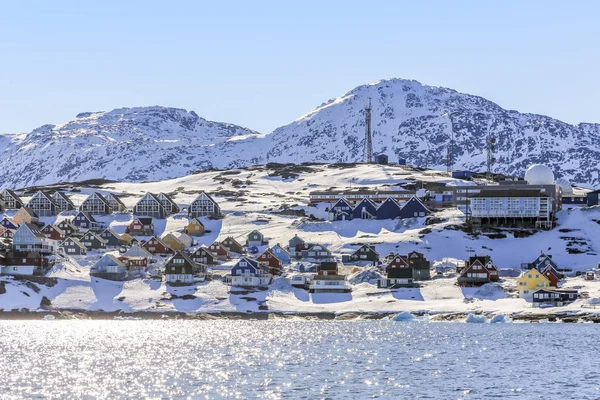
x: 490, y: 149
x: 450, y: 155
x: 368, y: 151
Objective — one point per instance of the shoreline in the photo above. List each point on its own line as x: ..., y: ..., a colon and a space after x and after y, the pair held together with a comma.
x: 73, y: 314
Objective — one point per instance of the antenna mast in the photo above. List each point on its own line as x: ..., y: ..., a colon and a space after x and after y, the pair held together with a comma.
x: 368, y: 152
x: 491, y: 149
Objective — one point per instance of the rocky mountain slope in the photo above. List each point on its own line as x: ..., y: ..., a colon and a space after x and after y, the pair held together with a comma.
x: 409, y: 120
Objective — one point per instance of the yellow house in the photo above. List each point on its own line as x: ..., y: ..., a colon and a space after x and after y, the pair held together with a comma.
x: 194, y: 228
x: 25, y: 216
x: 126, y: 237
x: 531, y: 281
x: 177, y: 241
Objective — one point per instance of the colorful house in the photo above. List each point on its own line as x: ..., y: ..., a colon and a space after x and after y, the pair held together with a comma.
x: 151, y: 206
x: 141, y: 226
x: 29, y: 238
x: 530, y: 282
x: 255, y: 238
x: 73, y: 247
x: 92, y: 241
x: 112, y: 238
x: 53, y: 232
x: 155, y: 245
x: 281, y: 253
x: 26, y: 215
x: 232, y: 245
x: 219, y: 250
x: 11, y: 200
x: 413, y: 208
x: 203, y: 256
x: 365, y: 253
x: 67, y: 227
x: 293, y: 245
x: 268, y: 260
x: 175, y: 240
x: 389, y: 209
x: 109, y: 267
x: 96, y: 204
x: 63, y: 202
x: 399, y: 274
x: 9, y: 223
x: 84, y: 220
x: 341, y: 210
x: 179, y: 269
x: 42, y: 204
x: 194, y: 228
x: 365, y: 209
x: 115, y: 203
x: 248, y: 273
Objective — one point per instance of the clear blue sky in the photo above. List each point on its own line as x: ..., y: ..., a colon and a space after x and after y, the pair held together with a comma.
x: 262, y: 64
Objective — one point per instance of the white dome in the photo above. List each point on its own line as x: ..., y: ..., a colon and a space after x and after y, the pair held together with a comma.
x: 539, y: 174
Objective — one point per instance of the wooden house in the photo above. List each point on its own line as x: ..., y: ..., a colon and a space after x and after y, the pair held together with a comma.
x: 475, y: 273
x: 203, y: 256
x: 421, y: 266
x: 328, y: 280
x: 204, y: 206
x: 389, y: 209
x: 92, y: 241
x: 43, y: 204
x: 316, y: 252
x: 23, y: 263
x: 293, y: 244
x: 95, y: 204
x: 554, y: 297
x: 365, y: 253
x: 67, y: 227
x: 109, y: 267
x: 248, y: 273
x: 268, y: 260
x: 220, y: 251
x: 137, y: 251
x: 9, y: 223
x: 26, y: 215
x: 413, y: 208
x: 134, y: 263
x: 115, y: 203
x: 73, y: 247
x: 531, y: 281
x: 54, y: 232
x: 85, y: 221
x: 111, y: 238
x: 179, y: 269
x: 232, y: 245
x: 168, y: 204
x: 63, y: 202
x: 255, y: 238
x: 141, y: 226
x: 552, y: 276
x: 341, y: 210
x: 365, y: 209
x: 29, y: 237
x: 126, y: 238
x: 11, y: 200
x: 281, y: 253
x: 177, y: 241
x: 6, y: 234
x: 156, y: 246
x: 194, y: 228
x: 151, y: 206
x: 398, y: 274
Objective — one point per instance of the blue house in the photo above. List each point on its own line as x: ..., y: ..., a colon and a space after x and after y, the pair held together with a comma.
x: 293, y: 243
x: 340, y: 211
x: 247, y: 272
x: 389, y: 209
x: 544, y: 262
x: 466, y: 175
x: 366, y: 209
x: 281, y: 253
x: 414, y: 208
x: 9, y: 223
x: 84, y: 220
x: 111, y: 238
x: 592, y: 198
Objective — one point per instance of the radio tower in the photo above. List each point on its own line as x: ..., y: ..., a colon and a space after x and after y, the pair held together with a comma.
x: 491, y: 149
x: 368, y: 153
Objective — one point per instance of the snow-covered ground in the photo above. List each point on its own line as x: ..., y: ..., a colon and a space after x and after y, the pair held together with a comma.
x: 252, y: 199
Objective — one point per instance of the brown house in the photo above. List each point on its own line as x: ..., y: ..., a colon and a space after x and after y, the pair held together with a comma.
x: 54, y: 232
x: 141, y: 226
x: 156, y: 246
x: 232, y: 245
x: 219, y: 250
x: 270, y: 260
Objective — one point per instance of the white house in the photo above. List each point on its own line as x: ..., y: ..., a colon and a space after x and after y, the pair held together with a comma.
x: 29, y: 237
x: 109, y: 267
x: 247, y: 272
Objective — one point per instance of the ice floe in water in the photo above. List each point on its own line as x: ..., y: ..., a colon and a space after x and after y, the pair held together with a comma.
x: 476, y: 319
x: 500, y: 319
x: 406, y: 316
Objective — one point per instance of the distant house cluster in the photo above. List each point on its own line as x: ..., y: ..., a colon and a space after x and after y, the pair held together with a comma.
x: 344, y: 210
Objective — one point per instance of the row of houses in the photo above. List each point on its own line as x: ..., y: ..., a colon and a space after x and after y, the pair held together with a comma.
x: 159, y: 205
x: 344, y: 209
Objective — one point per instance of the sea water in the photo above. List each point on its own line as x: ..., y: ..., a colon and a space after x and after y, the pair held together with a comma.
x: 180, y: 359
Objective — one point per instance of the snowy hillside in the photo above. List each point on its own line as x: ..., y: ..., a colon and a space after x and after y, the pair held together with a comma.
x: 273, y: 201
x: 410, y: 121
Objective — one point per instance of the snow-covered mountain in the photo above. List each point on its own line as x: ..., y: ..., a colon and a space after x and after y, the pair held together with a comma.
x: 414, y: 121
x: 409, y: 120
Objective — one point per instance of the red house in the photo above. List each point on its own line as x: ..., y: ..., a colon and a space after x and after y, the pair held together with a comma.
x: 552, y: 277
x: 54, y: 232
x: 156, y: 246
x: 270, y: 260
x: 141, y: 226
x: 219, y: 250
x: 476, y: 274
x: 133, y: 263
x: 397, y: 262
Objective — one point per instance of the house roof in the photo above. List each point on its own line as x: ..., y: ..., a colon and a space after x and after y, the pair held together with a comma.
x: 100, y: 197
x: 29, y: 211
x: 87, y: 215
x: 45, y: 194
x: 35, y: 230
x: 74, y: 240
x: 250, y: 261
x: 144, y: 220
x: 205, y: 194
x: 64, y: 197
x: 56, y: 228
x: 12, y: 194
x: 168, y: 198
x: 94, y: 235
x: 115, y: 198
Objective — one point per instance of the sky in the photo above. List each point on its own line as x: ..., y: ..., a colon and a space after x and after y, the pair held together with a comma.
x: 262, y: 64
